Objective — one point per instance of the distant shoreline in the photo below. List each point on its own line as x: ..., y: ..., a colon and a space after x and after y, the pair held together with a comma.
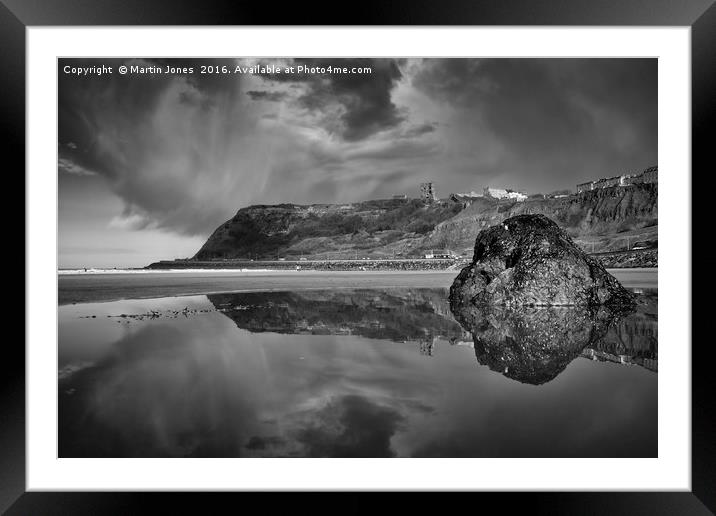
x: 389, y: 264
x: 642, y: 258
x: 92, y: 288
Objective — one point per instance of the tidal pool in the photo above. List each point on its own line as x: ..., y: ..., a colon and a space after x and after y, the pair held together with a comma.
x: 352, y: 373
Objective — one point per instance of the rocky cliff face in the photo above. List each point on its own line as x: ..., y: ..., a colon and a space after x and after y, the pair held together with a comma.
x: 603, y: 220
x: 599, y: 220
x: 350, y: 230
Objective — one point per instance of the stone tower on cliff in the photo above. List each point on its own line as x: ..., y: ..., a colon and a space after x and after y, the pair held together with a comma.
x: 427, y: 192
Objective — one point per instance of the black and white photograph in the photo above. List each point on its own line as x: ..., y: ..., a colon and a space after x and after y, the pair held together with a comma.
x: 357, y: 257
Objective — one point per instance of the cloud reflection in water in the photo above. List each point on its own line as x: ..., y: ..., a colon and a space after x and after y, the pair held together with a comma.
x: 340, y: 373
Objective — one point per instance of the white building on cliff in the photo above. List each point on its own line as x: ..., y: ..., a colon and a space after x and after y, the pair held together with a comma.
x: 506, y: 193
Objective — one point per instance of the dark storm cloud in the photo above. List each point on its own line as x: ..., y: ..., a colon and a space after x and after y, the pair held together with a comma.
x: 128, y: 92
x: 184, y: 152
x: 556, y: 115
x: 258, y: 442
x: 269, y: 96
x: 393, y: 150
x: 151, y: 136
x: 85, y: 104
x: 420, y: 130
x: 365, y: 98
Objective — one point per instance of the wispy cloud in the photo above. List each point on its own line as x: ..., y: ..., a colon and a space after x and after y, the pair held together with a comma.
x: 67, y: 166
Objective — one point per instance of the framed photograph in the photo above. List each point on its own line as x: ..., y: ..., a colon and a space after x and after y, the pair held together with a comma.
x: 273, y: 252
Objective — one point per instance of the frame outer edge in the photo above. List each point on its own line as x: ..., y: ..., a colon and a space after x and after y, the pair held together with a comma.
x: 12, y: 138
x: 703, y: 120
x: 12, y: 129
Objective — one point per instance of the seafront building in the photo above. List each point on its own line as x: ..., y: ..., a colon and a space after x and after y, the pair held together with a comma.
x: 646, y: 176
x: 440, y: 254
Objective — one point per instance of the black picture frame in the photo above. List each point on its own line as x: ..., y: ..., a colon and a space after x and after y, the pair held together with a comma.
x: 17, y: 15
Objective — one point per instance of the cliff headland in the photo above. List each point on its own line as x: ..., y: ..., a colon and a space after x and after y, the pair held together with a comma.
x: 616, y: 224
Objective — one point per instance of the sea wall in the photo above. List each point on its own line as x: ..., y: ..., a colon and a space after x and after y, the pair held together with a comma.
x: 327, y: 265
x: 629, y: 259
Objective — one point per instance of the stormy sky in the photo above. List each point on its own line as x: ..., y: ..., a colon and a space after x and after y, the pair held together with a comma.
x: 150, y: 164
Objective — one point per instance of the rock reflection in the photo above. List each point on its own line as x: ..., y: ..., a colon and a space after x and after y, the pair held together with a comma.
x: 528, y: 344
x: 534, y: 345
x: 397, y: 314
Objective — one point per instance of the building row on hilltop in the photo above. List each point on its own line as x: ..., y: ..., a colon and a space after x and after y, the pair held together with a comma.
x: 646, y: 176
x: 649, y: 175
x: 427, y: 193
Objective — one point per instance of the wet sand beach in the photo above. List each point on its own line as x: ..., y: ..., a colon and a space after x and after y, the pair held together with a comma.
x: 86, y: 288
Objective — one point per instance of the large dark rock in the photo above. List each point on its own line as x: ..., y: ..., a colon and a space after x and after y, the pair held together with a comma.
x: 528, y: 260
